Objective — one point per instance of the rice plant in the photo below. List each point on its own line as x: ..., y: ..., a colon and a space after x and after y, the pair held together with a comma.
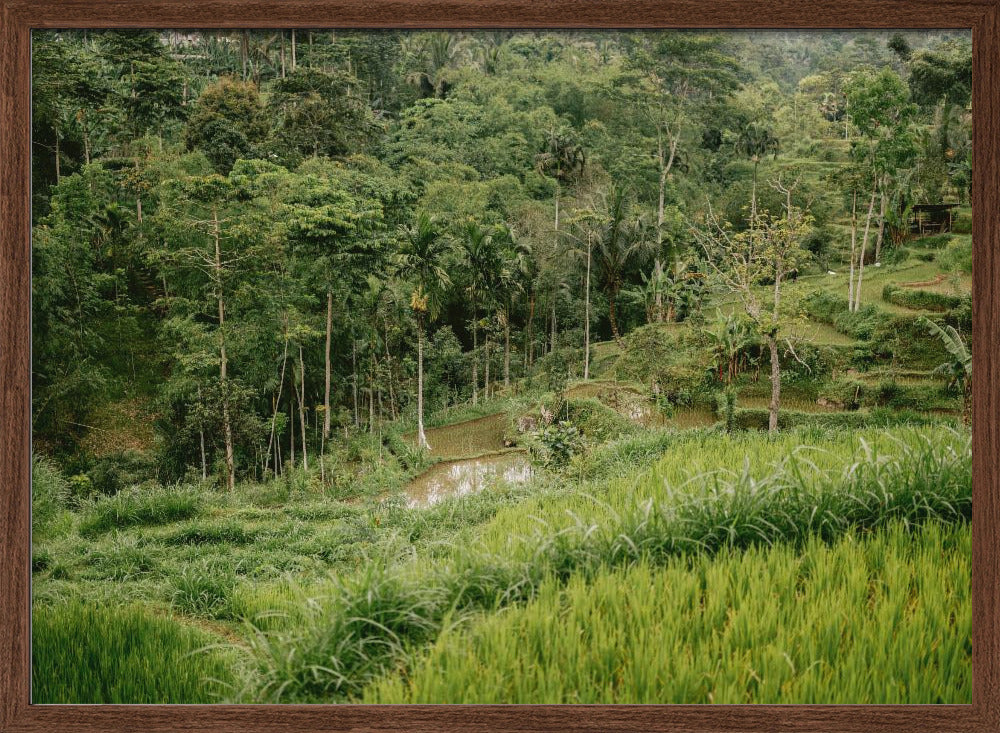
x: 876, y: 618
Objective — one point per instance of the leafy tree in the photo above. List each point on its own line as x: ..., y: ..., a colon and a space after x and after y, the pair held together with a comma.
x: 227, y: 123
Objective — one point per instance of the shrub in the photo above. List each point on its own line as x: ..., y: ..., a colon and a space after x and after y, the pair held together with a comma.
x: 554, y: 445
x: 920, y: 299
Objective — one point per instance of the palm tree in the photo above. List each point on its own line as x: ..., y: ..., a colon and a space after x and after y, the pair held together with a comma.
x: 513, y: 275
x: 563, y: 159
x: 755, y: 141
x: 622, y: 235
x: 420, y: 259
x: 481, y: 261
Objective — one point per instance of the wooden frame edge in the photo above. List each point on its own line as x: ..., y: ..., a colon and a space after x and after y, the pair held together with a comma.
x: 19, y: 17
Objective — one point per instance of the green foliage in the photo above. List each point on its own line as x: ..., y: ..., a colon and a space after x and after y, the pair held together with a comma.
x: 555, y: 444
x: 920, y: 299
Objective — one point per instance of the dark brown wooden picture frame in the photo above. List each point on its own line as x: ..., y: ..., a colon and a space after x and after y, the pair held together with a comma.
x: 19, y: 17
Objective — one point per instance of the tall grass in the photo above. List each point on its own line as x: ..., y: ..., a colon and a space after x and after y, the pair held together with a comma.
x: 881, y: 618
x: 139, y: 507
x: 87, y: 654
x: 357, y: 630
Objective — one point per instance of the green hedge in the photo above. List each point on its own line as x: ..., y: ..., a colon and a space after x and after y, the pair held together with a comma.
x: 757, y: 419
x: 920, y: 299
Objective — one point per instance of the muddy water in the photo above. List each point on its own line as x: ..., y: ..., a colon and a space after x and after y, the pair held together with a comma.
x: 458, y: 478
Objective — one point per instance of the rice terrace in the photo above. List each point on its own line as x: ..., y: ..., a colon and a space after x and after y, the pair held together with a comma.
x: 522, y: 367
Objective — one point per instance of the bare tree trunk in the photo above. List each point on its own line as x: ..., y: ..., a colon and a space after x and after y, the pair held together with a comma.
x: 291, y: 426
x: 283, y: 72
x: 328, y: 366
x: 421, y: 435
x: 864, y: 247
x: 302, y: 408
x: 586, y: 316
x: 389, y: 369
x: 475, y: 354
x: 293, y: 49
x: 354, y: 377
x: 277, y: 403
x: 506, y: 347
x: 201, y: 436
x: 612, y: 297
x: 772, y: 419
x: 227, y: 427
x: 529, y: 346
x: 486, y: 354
x: 854, y: 247
x: 881, y: 222
x: 244, y: 51
x: 58, y: 162
x: 553, y: 341
x: 665, y: 167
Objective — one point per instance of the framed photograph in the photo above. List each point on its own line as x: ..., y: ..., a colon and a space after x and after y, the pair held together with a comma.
x: 499, y: 365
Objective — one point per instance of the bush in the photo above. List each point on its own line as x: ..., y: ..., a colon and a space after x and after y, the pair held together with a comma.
x: 139, y: 507
x: 920, y: 299
x: 554, y: 445
x: 599, y: 422
x: 957, y: 257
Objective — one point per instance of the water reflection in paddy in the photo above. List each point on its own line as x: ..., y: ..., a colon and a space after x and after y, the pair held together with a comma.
x: 458, y: 478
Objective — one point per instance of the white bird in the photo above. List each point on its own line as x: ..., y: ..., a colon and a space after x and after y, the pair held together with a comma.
x: 831, y: 272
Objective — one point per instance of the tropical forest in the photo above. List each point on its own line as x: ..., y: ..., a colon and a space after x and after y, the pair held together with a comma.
x: 501, y: 367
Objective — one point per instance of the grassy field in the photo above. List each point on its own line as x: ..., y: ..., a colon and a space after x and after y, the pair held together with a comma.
x: 872, y: 618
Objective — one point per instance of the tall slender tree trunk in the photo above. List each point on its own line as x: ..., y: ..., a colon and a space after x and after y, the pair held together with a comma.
x: 884, y: 205
x: 854, y: 248
x: 293, y: 50
x: 552, y: 344
x: 327, y: 369
x: 283, y: 71
x: 227, y: 427
x: 421, y: 435
x: 529, y: 346
x: 506, y: 348
x: 486, y: 355
x: 291, y: 424
x: 772, y: 418
x: 244, y: 51
x: 586, y: 315
x: 389, y: 368
x: 302, y: 408
x: 58, y: 160
x: 354, y: 377
x: 475, y: 353
x: 277, y: 400
x: 201, y: 436
x: 864, y: 249
x: 666, y: 163
x: 753, y: 194
x: 612, y: 298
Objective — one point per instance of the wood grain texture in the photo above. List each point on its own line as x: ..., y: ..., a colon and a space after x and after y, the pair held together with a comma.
x: 17, y: 17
